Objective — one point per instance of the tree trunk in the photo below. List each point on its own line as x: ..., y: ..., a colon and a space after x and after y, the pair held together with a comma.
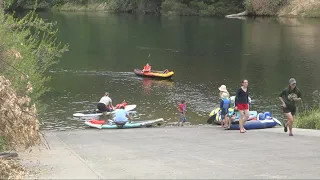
x: 6, y: 155
x: 244, y: 13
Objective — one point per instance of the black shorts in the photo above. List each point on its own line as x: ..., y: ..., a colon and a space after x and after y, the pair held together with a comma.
x: 291, y: 110
x: 102, y: 107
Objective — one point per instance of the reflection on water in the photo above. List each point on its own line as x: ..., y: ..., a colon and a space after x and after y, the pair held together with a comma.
x: 149, y: 84
x: 204, y: 53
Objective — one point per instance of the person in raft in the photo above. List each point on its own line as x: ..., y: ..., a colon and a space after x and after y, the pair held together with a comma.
x: 289, y: 96
x: 121, y: 116
x: 182, y: 112
x: 242, y: 104
x: 146, y: 68
x: 224, y: 106
x: 105, y: 104
x: 222, y: 89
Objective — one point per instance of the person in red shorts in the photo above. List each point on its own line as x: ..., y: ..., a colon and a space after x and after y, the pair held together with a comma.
x: 242, y: 104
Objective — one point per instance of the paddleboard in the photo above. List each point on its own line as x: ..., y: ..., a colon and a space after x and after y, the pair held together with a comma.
x: 131, y: 124
x: 97, y: 113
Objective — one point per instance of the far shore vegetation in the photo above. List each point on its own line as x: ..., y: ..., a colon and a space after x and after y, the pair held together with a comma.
x: 292, y: 8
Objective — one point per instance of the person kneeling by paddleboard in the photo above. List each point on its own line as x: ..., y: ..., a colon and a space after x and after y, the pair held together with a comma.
x: 105, y: 104
x: 121, y: 116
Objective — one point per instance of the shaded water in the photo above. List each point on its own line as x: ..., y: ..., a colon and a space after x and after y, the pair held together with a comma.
x: 203, y: 52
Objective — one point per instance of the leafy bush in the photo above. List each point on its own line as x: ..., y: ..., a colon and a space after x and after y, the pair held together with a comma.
x: 28, y: 47
x: 175, y: 7
x: 248, y: 6
x: 26, y: 4
x: 309, y: 117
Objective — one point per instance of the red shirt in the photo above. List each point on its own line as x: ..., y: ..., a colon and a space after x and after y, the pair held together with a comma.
x: 182, y: 107
x: 147, y: 68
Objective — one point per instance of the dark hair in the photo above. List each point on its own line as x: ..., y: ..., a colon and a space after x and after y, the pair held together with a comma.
x: 121, y: 107
x: 242, y: 81
x: 183, y: 101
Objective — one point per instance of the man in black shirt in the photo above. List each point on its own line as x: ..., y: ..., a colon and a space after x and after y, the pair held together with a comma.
x: 289, y: 96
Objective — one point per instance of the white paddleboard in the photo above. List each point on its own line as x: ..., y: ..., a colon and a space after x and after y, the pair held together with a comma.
x: 277, y: 121
x: 147, y: 122
x: 127, y: 108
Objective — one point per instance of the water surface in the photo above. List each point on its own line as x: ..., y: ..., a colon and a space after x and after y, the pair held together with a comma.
x: 203, y: 52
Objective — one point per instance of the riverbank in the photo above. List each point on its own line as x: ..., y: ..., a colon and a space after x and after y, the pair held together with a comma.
x: 25, y: 57
x: 175, y: 152
x: 281, y: 8
x: 167, y: 7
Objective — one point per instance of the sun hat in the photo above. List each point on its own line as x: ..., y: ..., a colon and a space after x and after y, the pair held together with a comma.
x: 223, y: 88
x: 292, y: 81
x: 225, y: 95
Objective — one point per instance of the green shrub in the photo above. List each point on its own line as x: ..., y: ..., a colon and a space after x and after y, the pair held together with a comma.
x: 26, y: 4
x: 198, y: 5
x: 2, y: 144
x: 309, y: 117
x: 28, y: 47
x: 174, y: 7
x: 313, y: 13
x: 310, y: 120
x: 248, y: 6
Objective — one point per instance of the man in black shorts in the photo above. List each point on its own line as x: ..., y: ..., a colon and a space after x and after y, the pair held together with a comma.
x: 289, y: 96
x: 105, y: 104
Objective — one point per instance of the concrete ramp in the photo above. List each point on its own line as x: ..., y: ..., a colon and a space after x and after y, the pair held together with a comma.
x: 178, y: 153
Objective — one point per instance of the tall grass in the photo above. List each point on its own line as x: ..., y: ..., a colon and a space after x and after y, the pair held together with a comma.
x: 308, y: 117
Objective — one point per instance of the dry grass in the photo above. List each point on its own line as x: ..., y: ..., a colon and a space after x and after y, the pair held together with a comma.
x: 11, y: 169
x: 19, y: 125
x: 284, y: 8
x: 266, y: 7
x: 303, y: 8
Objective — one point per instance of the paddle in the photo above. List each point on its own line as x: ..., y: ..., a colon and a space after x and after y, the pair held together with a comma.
x: 211, y: 119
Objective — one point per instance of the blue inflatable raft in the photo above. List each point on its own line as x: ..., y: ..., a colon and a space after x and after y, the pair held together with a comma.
x: 215, y: 116
x: 260, y: 123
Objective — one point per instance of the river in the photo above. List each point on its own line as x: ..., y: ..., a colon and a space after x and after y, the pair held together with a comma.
x: 203, y: 52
